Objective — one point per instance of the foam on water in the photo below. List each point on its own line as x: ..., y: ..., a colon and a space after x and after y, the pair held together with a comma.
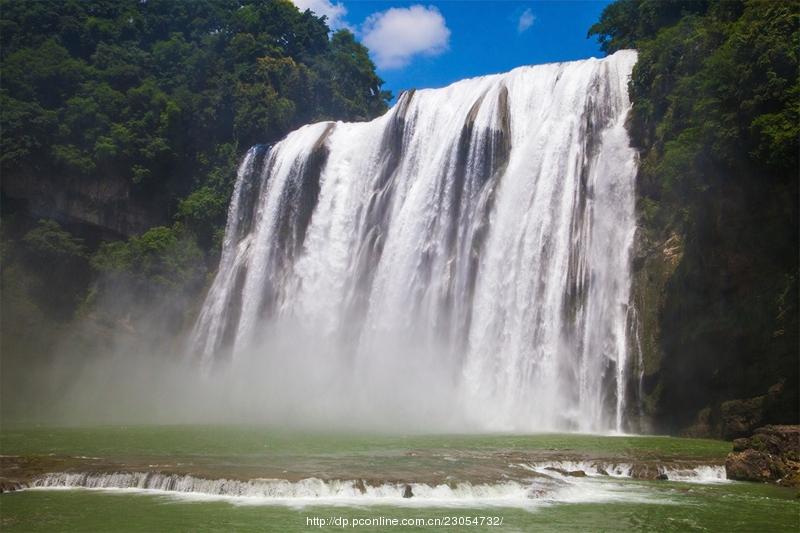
x: 698, y: 474
x: 312, y: 491
x: 590, y: 468
x: 689, y: 474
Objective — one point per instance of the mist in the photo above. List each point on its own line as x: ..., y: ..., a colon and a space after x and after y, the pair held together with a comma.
x: 289, y: 377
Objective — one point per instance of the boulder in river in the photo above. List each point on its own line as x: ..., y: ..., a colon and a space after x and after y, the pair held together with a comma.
x: 9, y: 485
x: 645, y: 471
x: 772, y: 455
x: 360, y: 486
x: 563, y: 472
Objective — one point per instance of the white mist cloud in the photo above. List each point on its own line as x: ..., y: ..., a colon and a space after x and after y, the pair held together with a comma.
x: 526, y: 20
x: 334, y: 12
x: 396, y: 35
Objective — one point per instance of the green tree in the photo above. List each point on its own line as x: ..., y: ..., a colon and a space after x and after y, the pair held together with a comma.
x: 162, y: 97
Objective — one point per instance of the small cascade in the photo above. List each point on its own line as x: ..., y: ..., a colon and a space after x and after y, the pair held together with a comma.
x: 282, y: 491
x: 548, y: 482
x: 688, y: 474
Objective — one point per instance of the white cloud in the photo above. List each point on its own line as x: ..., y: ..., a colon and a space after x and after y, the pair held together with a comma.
x: 396, y: 35
x: 334, y: 12
x: 526, y: 20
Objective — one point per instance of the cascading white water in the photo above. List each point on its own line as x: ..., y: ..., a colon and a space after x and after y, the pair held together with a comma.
x: 525, y: 494
x: 555, y: 482
x: 311, y: 490
x: 471, y: 246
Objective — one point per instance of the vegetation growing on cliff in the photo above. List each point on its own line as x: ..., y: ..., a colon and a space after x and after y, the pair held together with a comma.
x: 156, y: 101
x: 716, y: 115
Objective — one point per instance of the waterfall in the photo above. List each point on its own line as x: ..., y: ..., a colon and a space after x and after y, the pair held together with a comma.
x: 466, y: 255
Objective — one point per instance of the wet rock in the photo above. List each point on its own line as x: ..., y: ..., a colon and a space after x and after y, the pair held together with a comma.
x: 662, y: 477
x: 572, y: 473
x: 752, y: 465
x: 739, y: 418
x: 771, y: 455
x: 644, y: 471
x: 407, y: 493
x: 537, y: 493
x: 602, y: 471
x: 360, y: 486
x: 780, y: 440
x: 8, y: 485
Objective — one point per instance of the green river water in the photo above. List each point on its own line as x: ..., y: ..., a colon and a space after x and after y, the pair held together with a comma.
x: 593, y: 503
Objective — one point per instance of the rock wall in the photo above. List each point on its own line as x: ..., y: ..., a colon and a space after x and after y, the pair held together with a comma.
x: 654, y: 261
x: 102, y: 203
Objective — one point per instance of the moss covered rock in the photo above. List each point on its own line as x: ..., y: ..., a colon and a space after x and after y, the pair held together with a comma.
x: 771, y: 455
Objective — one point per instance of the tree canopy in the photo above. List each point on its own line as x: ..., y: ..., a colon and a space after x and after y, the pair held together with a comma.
x: 168, y: 94
x: 164, y: 97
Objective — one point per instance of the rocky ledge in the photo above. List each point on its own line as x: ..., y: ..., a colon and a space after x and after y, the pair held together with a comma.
x: 771, y: 454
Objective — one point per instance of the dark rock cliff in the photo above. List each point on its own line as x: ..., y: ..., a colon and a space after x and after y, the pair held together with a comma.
x: 100, y: 204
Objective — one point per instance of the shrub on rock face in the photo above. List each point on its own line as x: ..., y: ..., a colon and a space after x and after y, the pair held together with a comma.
x: 159, y: 269
x: 741, y: 417
x: 166, y: 257
x: 57, y: 260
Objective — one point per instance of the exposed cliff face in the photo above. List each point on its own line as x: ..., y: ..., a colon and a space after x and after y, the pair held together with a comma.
x: 102, y: 203
x: 716, y: 321
x: 654, y: 262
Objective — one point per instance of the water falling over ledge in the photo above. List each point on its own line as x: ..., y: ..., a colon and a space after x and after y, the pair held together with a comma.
x: 463, y: 258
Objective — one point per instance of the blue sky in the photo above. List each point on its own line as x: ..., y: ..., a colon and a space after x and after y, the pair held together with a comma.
x: 432, y: 44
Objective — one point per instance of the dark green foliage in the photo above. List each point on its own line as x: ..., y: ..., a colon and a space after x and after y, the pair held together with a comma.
x: 164, y: 96
x: 59, y: 260
x: 45, y: 272
x: 625, y: 23
x: 59, y: 263
x: 160, y: 259
x: 168, y: 94
x: 48, y: 243
x: 716, y: 115
x: 202, y: 210
x: 160, y: 271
